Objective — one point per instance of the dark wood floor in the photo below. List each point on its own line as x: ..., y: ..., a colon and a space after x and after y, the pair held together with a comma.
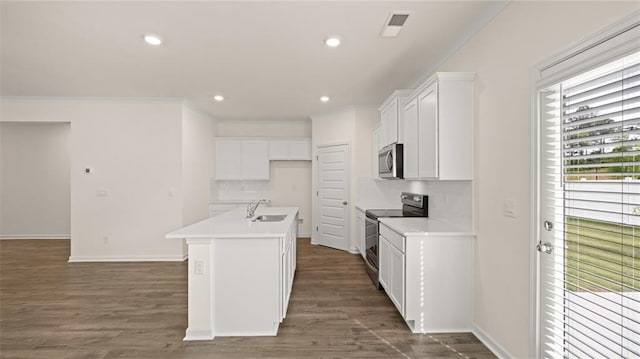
x: 53, y: 309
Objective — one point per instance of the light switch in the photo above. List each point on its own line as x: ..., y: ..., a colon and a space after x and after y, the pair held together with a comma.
x: 102, y: 192
x: 198, y: 268
x: 89, y: 170
x: 509, y: 207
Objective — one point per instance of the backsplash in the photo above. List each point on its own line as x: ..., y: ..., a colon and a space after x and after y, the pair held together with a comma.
x: 239, y: 191
x: 448, y: 200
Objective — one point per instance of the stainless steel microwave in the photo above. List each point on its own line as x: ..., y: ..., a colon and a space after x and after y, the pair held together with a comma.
x: 390, y: 162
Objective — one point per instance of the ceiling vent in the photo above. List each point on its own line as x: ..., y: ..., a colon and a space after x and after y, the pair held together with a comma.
x: 394, y: 23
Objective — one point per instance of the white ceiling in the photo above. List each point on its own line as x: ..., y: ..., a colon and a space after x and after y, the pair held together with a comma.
x: 267, y: 58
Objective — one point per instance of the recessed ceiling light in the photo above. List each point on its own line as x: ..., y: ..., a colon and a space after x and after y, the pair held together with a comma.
x: 332, y: 41
x: 218, y: 98
x: 324, y: 98
x: 152, y: 39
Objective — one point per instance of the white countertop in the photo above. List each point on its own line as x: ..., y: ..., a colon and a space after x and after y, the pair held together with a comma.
x: 409, y: 226
x: 233, y: 224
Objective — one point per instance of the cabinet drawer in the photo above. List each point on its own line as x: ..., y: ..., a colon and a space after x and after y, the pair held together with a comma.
x: 393, y: 237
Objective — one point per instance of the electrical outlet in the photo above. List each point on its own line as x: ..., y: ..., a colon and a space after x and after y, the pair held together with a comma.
x: 509, y: 206
x: 105, y: 240
x: 198, y: 268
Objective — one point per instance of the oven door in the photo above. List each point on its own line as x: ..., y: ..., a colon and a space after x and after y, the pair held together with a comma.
x: 371, y: 251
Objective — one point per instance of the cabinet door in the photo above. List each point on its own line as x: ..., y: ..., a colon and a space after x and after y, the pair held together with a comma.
x: 278, y: 150
x: 392, y: 122
x: 255, y: 160
x: 228, y: 160
x: 383, y: 135
x: 411, y: 154
x: 396, y: 278
x: 300, y: 150
x: 428, y: 132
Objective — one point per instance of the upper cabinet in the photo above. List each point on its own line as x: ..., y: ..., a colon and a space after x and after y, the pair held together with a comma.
x: 438, y: 120
x: 391, y: 118
x: 242, y: 159
x: 290, y: 149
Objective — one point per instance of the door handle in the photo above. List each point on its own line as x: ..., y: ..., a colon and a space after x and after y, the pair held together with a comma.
x: 344, y: 203
x: 545, y: 247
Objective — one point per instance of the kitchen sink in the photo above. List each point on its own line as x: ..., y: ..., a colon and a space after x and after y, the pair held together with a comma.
x: 270, y: 218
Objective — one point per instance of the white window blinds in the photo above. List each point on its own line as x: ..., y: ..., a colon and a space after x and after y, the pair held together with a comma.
x: 591, y: 169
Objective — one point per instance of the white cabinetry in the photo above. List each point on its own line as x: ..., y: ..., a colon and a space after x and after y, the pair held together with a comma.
x: 410, y: 146
x: 391, y: 124
x: 438, y: 128
x: 228, y: 157
x: 360, y: 231
x: 290, y: 149
x: 255, y: 160
x: 242, y: 159
x: 391, y: 266
x: 428, y: 277
x: 289, y: 264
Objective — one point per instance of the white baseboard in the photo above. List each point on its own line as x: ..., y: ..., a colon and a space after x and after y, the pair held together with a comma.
x: 34, y: 236
x: 198, y: 334
x: 488, y: 341
x: 82, y: 259
x: 304, y: 235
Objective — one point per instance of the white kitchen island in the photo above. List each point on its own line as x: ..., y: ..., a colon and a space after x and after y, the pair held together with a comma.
x: 240, y: 273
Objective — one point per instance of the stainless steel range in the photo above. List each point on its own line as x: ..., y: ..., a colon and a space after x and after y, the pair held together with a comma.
x: 413, y: 205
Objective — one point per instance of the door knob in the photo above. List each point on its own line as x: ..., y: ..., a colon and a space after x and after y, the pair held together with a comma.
x: 344, y: 202
x: 545, y: 247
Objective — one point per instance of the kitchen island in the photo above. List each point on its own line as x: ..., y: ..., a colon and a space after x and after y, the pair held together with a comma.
x: 240, y: 272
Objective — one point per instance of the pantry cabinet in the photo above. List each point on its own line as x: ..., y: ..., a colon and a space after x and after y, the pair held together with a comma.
x: 438, y: 133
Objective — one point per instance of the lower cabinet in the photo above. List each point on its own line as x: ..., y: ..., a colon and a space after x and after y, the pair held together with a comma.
x: 428, y: 277
x: 391, y: 267
x: 288, y: 265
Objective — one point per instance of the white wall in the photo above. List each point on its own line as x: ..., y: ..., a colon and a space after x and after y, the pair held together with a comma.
x: 35, y: 184
x: 353, y: 126
x: 290, y: 186
x: 264, y: 128
x: 135, y: 150
x: 503, y: 55
x: 290, y: 181
x: 198, y: 156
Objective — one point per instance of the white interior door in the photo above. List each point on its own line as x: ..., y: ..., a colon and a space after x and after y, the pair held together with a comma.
x: 332, y: 197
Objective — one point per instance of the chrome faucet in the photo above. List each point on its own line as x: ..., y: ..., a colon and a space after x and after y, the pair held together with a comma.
x: 251, y: 208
